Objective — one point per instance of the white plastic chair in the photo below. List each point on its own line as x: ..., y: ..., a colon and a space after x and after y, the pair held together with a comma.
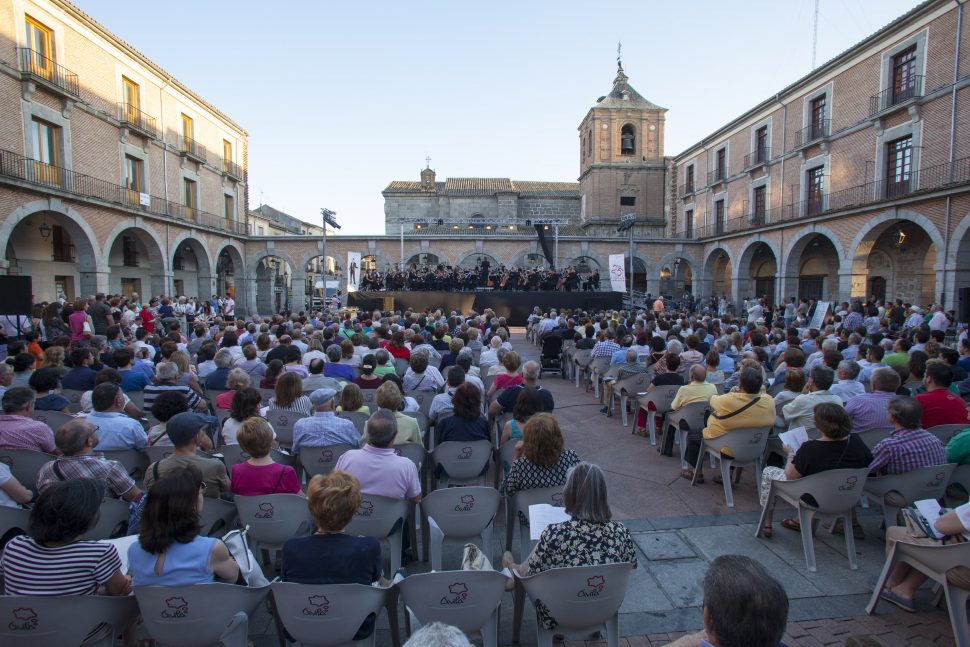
x: 629, y: 387
x: 401, y: 366
x: 836, y: 493
x: 468, y: 600
x: 461, y: 513
x: 62, y: 620
x: 359, y: 419
x: 946, y: 432
x: 328, y: 614
x: 376, y: 517
x: 112, y: 520
x: 747, y: 447
x: 661, y: 397
x: 520, y: 502
x: 597, y: 368
x: 73, y: 395
x: 580, y: 363
x: 199, y: 615
x: 273, y: 518
x: 53, y: 419
x: 322, y: 460
x: 916, y: 485
x: 282, y: 423
x: 872, y: 437
x: 24, y: 464
x: 462, y: 461
x: 265, y: 395
x: 218, y: 517
x: 692, y: 415
x: 137, y: 398
x: 134, y: 461
x: 934, y: 562
x: 581, y: 599
x: 11, y: 517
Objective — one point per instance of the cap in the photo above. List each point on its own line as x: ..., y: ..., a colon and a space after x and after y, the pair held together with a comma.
x: 183, y: 427
x: 322, y: 396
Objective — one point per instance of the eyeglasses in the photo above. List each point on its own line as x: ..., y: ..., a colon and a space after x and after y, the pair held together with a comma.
x: 202, y: 487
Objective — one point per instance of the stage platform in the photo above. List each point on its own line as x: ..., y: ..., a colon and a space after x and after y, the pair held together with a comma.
x: 514, y: 306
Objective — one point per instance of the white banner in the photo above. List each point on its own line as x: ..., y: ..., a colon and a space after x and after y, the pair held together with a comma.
x: 353, y: 271
x: 617, y: 272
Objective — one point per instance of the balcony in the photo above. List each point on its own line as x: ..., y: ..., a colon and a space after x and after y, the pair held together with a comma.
x: 134, y: 119
x: 716, y: 176
x: 63, y: 253
x: 232, y: 170
x: 897, y: 95
x: 813, y: 133
x: 35, y: 66
x: 191, y: 149
x: 758, y: 157
x: 686, y: 190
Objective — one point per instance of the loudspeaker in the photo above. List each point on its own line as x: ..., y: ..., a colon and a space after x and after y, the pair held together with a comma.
x: 963, y: 307
x: 388, y: 305
x: 17, y: 294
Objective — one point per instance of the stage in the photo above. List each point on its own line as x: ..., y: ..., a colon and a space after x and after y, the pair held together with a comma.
x: 514, y: 306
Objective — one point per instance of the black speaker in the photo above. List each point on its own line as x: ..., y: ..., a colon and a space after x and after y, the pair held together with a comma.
x: 17, y: 294
x: 963, y: 307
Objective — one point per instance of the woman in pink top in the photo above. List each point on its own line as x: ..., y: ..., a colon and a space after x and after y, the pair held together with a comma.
x: 512, y: 375
x: 260, y: 475
x: 79, y: 337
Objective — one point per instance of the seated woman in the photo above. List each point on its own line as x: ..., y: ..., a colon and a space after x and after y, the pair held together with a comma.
x: 329, y: 555
x: 794, y: 385
x: 352, y: 400
x: 237, y: 380
x: 390, y: 398
x: 260, y: 474
x: 511, y: 377
x: 289, y: 396
x: 541, y: 459
x: 527, y: 404
x: 50, y: 560
x: 467, y: 422
x: 420, y: 376
x: 838, y: 448
x: 187, y: 376
x: 44, y: 382
x: 245, y: 405
x: 164, y: 408
x: 170, y: 551
x: 589, y: 538
x: 396, y: 347
x: 713, y: 360
x: 273, y: 370
x: 367, y: 379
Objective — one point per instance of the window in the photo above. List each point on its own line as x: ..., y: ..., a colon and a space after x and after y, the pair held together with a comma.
x: 188, y: 133
x: 689, y: 223
x: 63, y: 250
x: 720, y: 164
x: 760, y: 203
x: 627, y: 140
x: 761, y: 145
x: 899, y: 163
x: 134, y: 179
x: 228, y: 206
x: 129, y: 252
x: 589, y: 143
x: 178, y: 263
x: 261, y: 231
x: 190, y: 198
x: 47, y: 151
x: 227, y: 165
x: 132, y: 100
x: 817, y: 121
x: 689, y: 183
x: 39, y: 44
x: 904, y: 78
x: 628, y: 201
x: 719, y: 217
x: 816, y: 185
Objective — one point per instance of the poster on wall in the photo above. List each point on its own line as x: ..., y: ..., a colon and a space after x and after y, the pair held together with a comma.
x: 353, y: 271
x: 819, y: 316
x: 617, y: 273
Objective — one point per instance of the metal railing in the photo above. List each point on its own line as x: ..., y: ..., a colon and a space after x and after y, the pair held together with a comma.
x: 63, y: 253
x: 897, y: 94
x: 16, y: 166
x: 232, y: 169
x: 812, y: 132
x: 686, y: 190
x: 716, y: 176
x: 132, y: 117
x: 758, y: 156
x: 35, y: 64
x: 191, y: 148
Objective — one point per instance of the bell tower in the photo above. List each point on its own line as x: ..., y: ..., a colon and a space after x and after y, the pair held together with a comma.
x: 621, y: 161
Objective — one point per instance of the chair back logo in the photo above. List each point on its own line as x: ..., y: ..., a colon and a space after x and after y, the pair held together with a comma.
x: 557, y: 500
x: 24, y: 619
x: 41, y: 418
x: 283, y: 420
x: 466, y: 454
x: 594, y: 587
x: 175, y: 607
x: 317, y: 605
x: 457, y: 594
x: 265, y: 511
x: 937, y: 480
x: 326, y: 456
x: 849, y: 484
x: 366, y: 509
x: 467, y: 503
x: 756, y: 438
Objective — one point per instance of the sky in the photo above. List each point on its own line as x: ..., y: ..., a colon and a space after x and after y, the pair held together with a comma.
x: 340, y: 98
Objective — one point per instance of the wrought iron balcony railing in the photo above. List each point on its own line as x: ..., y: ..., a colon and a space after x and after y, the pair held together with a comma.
x: 35, y: 65
x: 132, y: 117
x: 899, y: 93
x: 758, y: 156
x: 192, y: 149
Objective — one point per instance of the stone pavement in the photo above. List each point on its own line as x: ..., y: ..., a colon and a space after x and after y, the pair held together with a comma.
x: 680, y: 528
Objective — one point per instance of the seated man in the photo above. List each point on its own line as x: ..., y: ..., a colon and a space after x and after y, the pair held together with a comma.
x: 698, y: 390
x: 909, y: 447
x: 940, y: 406
x: 317, y: 380
x: 848, y: 385
x: 216, y: 380
x: 800, y: 411
x: 628, y: 368
x: 76, y: 440
x: 18, y: 430
x: 186, y: 431
x: 378, y: 468
x: 323, y: 427
x: 869, y: 410
x: 116, y: 429
x: 132, y: 379
x: 81, y: 377
x: 441, y: 404
x: 166, y: 375
x: 333, y: 368
x: 505, y: 403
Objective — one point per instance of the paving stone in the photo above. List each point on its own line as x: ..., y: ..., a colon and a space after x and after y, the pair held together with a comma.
x: 663, y: 545
x: 681, y: 581
x: 644, y: 594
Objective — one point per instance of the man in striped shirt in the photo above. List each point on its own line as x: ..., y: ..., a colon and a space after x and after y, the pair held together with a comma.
x: 166, y: 374
x: 607, y: 347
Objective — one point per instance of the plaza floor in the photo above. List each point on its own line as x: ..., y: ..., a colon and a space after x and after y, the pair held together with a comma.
x: 679, y: 529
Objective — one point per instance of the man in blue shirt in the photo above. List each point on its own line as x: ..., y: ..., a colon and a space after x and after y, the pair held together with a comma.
x: 81, y: 377
x: 131, y: 379
x: 115, y: 429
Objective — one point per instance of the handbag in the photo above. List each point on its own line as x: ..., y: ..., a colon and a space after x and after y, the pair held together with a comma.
x: 237, y: 542
x: 473, y: 559
x: 87, y: 330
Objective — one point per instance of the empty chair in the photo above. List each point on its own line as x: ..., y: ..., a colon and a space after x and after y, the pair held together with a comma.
x: 321, y: 460
x: 872, y: 437
x: 923, y: 483
x: 597, y: 368
x: 946, y: 432
x: 520, y: 503
x: 282, y: 423
x: 273, y: 518
x: 328, y: 614
x: 835, y: 492
x: 61, y: 620
x: 661, y: 397
x: 24, y: 464
x: 377, y: 516
x: 53, y: 419
x: 581, y: 361
x: 112, y: 521
x: 747, y: 447
x: 218, y: 517
x: 461, y: 513
x: 630, y: 387
x: 581, y: 599
x: 134, y: 461
x: 468, y: 600
x: 686, y: 420
x: 199, y: 615
x: 11, y: 517
x: 462, y: 461
x: 137, y: 398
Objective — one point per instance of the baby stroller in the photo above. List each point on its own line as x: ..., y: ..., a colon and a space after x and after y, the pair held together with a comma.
x: 551, y: 356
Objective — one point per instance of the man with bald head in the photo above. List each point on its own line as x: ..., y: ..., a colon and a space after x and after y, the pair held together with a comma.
x: 530, y: 380
x: 697, y: 390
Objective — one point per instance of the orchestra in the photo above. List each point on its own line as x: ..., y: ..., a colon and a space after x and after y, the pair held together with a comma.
x: 483, y: 276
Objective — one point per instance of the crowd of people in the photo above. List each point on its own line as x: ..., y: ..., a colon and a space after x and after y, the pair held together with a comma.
x: 442, y: 277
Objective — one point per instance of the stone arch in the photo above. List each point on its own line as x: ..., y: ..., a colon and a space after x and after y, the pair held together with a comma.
x: 256, y: 260
x: 683, y: 278
x: 717, y: 272
x: 958, y: 262
x: 148, y: 279
x: 526, y: 260
x: 237, y: 283
x: 442, y: 258
x: 88, y: 271
x: 879, y: 223
x: 758, y: 280
x: 805, y: 233
x: 494, y: 259
x: 597, y: 262
x: 195, y: 281
x: 824, y: 280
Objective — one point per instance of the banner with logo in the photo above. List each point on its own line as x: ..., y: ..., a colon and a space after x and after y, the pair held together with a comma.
x: 353, y: 271
x: 617, y: 272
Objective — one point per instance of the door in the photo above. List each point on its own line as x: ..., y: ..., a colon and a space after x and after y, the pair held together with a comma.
x: 877, y: 288
x: 811, y: 287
